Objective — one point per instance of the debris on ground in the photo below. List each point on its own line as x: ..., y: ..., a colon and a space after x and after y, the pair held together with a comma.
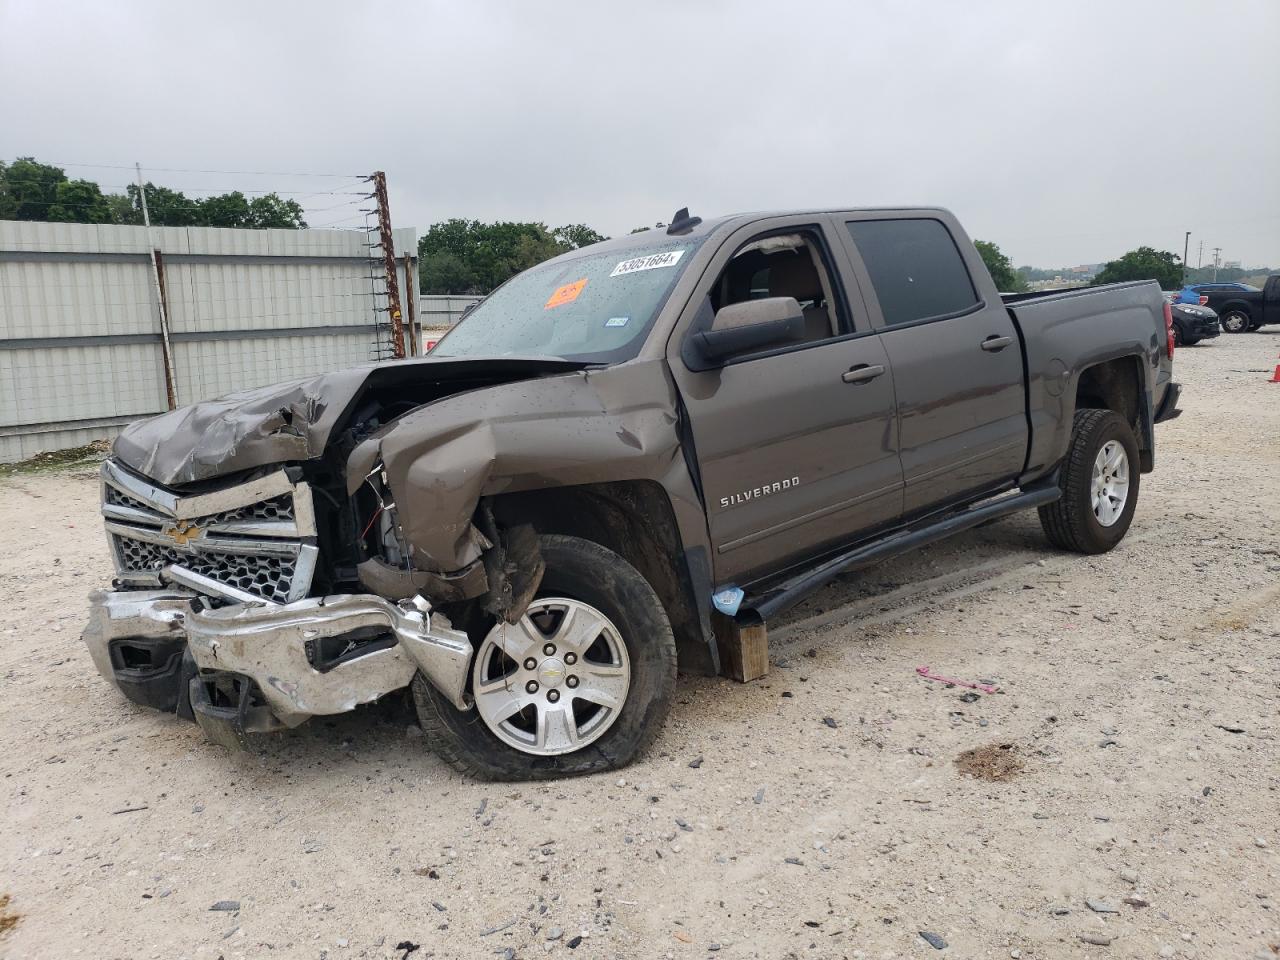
x: 933, y: 940
x: 995, y: 762
x: 953, y: 682
x: 8, y: 919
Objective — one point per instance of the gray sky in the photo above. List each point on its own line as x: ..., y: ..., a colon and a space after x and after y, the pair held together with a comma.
x: 1067, y: 132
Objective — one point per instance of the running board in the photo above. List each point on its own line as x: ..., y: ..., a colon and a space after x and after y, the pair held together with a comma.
x: 759, y: 609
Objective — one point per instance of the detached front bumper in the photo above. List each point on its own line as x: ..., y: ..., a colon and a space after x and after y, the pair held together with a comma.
x: 252, y: 667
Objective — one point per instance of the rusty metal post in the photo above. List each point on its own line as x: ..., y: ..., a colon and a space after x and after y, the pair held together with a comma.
x: 411, y: 304
x: 166, y: 348
x: 389, y: 259
x: 170, y: 381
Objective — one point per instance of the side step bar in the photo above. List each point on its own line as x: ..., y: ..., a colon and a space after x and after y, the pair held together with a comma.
x: 760, y: 609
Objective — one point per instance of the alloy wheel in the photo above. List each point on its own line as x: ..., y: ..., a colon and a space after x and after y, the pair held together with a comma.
x: 1109, y: 490
x: 554, y: 682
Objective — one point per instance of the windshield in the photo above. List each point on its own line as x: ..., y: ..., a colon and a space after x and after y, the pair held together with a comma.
x: 595, y: 308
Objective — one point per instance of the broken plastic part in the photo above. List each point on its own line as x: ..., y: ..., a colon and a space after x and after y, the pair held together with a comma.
x: 728, y: 600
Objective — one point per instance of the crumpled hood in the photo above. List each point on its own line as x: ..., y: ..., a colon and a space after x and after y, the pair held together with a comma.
x: 294, y: 420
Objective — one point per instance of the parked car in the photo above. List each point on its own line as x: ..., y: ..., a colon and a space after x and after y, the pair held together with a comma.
x: 1193, y: 324
x: 1243, y: 307
x: 626, y: 459
x: 1190, y: 296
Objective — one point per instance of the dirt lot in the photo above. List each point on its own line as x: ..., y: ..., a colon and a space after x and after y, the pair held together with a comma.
x: 818, y: 813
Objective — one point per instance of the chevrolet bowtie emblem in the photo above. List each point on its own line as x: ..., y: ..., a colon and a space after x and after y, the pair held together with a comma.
x: 183, y: 532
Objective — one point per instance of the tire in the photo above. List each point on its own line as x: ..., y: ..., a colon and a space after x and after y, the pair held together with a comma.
x: 1178, y: 339
x: 1071, y: 523
x: 583, y: 575
x: 1235, y: 321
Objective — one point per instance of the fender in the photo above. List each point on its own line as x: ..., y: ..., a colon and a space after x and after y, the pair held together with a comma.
x: 589, y: 426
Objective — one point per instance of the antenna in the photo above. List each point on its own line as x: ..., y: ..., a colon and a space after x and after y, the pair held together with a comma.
x: 682, y: 222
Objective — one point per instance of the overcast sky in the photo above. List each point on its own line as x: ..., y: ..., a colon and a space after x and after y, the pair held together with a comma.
x: 1067, y: 132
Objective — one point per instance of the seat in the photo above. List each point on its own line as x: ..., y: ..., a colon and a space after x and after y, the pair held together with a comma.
x: 793, y: 274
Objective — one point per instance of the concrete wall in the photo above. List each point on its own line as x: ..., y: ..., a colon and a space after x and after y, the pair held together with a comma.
x: 80, y: 340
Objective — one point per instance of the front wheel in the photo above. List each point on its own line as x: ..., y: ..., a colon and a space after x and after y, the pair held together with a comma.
x: 1099, y: 482
x: 1235, y: 321
x: 1178, y: 338
x: 582, y: 683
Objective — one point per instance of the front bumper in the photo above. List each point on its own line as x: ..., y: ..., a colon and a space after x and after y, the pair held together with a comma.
x: 253, y: 667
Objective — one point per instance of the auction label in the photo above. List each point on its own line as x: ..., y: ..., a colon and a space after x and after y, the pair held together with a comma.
x: 651, y: 262
x: 566, y: 294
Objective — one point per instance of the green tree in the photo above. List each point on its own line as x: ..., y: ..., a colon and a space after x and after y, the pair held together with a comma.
x: 225, y: 210
x: 1007, y: 279
x: 1145, y: 263
x: 167, y: 208
x: 78, y: 201
x: 29, y: 189
x: 467, y: 256
x: 577, y: 235
x: 271, y: 211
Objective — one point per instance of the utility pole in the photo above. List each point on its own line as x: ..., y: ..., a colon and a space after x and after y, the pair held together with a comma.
x: 1200, y: 256
x: 389, y: 259
x: 1185, y: 242
x: 166, y: 348
x: 1216, y: 251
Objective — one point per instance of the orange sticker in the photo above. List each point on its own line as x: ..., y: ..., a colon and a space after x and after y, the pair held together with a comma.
x: 566, y: 294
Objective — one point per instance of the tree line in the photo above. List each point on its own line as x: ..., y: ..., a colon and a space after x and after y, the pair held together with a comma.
x: 30, y: 190
x: 456, y: 256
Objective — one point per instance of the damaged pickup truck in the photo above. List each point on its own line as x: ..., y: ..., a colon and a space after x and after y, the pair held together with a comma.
x: 624, y: 460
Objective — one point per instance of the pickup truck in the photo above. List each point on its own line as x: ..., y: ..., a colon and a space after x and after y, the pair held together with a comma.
x: 1243, y: 308
x: 624, y: 461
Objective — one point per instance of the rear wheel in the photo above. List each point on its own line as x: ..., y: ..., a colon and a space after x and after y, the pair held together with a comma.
x: 1235, y: 321
x: 1099, y: 482
x: 582, y: 683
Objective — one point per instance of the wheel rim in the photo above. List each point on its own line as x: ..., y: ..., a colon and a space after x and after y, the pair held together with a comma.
x: 1110, y: 487
x: 556, y: 681
x: 1177, y: 336
x: 1233, y: 322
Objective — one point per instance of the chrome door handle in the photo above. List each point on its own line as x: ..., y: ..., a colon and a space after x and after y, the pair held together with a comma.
x: 862, y: 373
x: 994, y: 344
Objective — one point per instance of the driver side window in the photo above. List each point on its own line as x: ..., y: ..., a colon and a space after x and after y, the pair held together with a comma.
x: 793, y: 265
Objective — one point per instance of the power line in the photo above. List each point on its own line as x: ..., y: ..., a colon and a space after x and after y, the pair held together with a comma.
x: 247, y: 173
x: 210, y: 191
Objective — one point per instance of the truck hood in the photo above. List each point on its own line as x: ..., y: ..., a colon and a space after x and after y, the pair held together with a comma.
x: 294, y: 420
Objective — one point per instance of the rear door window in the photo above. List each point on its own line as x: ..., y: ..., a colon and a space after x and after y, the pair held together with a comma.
x: 915, y: 268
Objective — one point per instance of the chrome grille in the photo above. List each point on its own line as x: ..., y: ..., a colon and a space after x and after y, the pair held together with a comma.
x: 251, y: 542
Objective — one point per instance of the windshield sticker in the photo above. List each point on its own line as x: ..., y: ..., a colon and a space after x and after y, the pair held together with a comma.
x: 616, y: 321
x: 566, y: 294
x: 651, y: 262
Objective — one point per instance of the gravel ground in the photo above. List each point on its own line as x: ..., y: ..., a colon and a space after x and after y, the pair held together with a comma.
x: 817, y: 813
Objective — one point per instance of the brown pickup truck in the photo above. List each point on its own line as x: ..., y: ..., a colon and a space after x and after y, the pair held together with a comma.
x: 624, y: 461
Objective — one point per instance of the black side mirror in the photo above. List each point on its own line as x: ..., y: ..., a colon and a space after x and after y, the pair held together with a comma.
x: 746, y: 327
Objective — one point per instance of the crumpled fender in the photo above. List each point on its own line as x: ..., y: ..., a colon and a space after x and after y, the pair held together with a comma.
x: 590, y: 426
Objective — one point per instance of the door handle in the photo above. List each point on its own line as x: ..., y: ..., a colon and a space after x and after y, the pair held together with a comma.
x: 862, y: 373
x: 994, y: 344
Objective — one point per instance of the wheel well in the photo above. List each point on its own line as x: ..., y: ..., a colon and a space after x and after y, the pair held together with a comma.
x: 1236, y: 306
x: 634, y: 519
x: 1117, y: 385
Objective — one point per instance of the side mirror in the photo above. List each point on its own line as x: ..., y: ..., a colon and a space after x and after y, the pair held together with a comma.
x: 744, y: 327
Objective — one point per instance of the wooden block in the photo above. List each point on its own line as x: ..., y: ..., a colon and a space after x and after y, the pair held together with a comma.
x: 744, y: 650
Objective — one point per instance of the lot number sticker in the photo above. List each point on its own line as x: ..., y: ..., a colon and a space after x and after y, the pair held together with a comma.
x: 651, y: 262
x: 566, y: 294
